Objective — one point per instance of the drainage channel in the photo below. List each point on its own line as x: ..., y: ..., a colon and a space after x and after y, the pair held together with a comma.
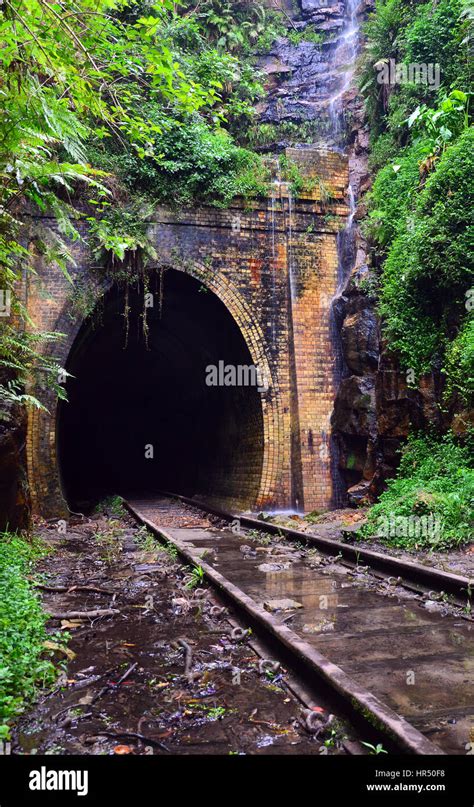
x: 402, y: 673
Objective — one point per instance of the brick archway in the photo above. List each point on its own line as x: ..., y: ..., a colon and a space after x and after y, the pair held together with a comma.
x: 273, y: 263
x: 43, y: 467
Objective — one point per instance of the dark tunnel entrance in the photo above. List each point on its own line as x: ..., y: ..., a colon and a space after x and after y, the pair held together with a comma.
x: 141, y: 418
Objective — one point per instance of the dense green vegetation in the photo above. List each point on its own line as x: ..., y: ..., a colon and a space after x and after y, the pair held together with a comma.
x: 420, y: 228
x: 115, y: 103
x: 23, y: 658
x: 196, y: 162
x: 426, y: 273
x: 420, y: 208
x: 429, y: 504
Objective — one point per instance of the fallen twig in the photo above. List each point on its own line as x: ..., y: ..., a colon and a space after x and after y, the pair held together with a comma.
x: 67, y: 589
x: 69, y: 719
x: 67, y: 709
x: 91, y: 588
x: 83, y: 614
x: 188, y: 656
x: 259, y: 722
x: 93, y: 679
x: 113, y: 686
x: 126, y: 674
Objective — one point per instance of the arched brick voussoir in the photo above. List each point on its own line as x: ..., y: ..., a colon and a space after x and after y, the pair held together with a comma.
x: 43, y: 466
x: 254, y: 338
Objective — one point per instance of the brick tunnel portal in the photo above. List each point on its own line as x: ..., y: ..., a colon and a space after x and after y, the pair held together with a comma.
x: 140, y: 416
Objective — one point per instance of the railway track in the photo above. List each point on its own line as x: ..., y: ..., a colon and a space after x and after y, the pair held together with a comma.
x: 351, y: 624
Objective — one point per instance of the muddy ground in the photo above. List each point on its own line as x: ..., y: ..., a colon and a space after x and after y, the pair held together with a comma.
x: 164, y: 672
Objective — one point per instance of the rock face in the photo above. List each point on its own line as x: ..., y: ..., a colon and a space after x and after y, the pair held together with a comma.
x: 309, y: 6
x: 14, y: 509
x: 360, y: 340
x: 355, y: 414
x: 304, y: 75
x: 304, y: 81
x: 375, y: 407
x: 354, y: 420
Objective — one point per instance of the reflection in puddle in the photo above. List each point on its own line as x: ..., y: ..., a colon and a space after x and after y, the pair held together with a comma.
x: 375, y: 636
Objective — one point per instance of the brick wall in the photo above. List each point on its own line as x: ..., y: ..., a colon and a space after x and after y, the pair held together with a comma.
x: 273, y: 263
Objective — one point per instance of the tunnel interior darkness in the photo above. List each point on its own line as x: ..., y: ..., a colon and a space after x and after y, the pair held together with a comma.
x: 206, y: 441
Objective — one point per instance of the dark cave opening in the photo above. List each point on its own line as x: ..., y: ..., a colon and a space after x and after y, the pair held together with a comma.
x: 140, y: 418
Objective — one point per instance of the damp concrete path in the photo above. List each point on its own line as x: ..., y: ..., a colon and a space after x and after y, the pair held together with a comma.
x: 419, y: 662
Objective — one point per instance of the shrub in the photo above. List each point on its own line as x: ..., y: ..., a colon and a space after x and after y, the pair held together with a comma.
x: 435, y: 478
x: 22, y: 630
x: 459, y: 364
x: 193, y: 163
x: 394, y: 193
x: 445, y: 207
x: 427, y: 271
x: 434, y: 35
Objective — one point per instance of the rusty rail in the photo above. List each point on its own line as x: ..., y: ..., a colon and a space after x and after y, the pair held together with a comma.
x: 360, y: 704
x: 413, y: 575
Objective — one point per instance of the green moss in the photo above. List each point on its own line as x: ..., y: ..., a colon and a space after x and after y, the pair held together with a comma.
x: 459, y: 364
x: 351, y: 461
x: 308, y: 34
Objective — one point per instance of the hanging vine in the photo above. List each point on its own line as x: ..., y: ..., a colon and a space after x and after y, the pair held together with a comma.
x: 123, y: 251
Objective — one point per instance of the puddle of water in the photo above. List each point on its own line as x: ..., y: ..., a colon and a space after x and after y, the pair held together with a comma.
x: 225, y: 707
x: 414, y: 659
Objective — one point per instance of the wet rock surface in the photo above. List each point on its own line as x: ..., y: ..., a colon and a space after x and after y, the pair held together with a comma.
x: 165, y: 672
x: 356, y: 411
x: 306, y: 74
x: 307, y: 81
x: 14, y: 502
x: 370, y: 429
x: 360, y: 340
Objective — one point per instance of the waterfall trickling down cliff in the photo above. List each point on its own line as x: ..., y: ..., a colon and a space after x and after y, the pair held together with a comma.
x: 310, y: 82
x: 311, y: 104
x: 346, y: 252
x: 344, y: 56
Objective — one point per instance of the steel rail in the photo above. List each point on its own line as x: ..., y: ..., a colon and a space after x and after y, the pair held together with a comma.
x: 360, y: 705
x: 414, y: 575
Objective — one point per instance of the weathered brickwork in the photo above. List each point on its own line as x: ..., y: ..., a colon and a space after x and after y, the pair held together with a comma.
x: 273, y: 263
